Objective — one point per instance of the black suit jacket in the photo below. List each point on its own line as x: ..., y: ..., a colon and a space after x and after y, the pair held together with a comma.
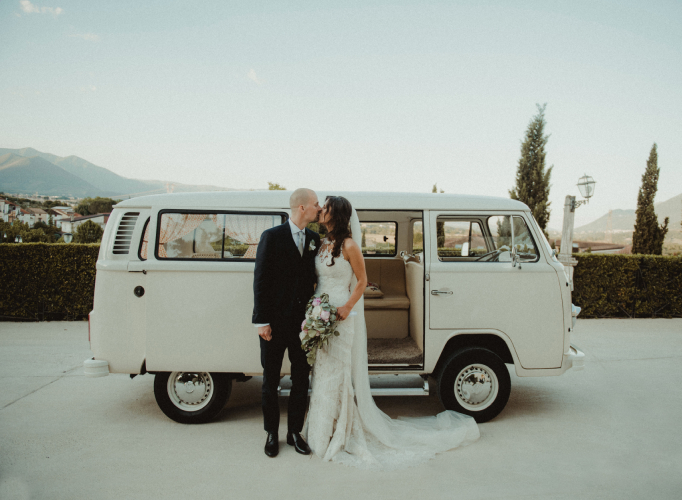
x: 283, y: 280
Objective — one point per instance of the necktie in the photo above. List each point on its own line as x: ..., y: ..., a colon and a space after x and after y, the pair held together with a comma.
x: 300, y: 242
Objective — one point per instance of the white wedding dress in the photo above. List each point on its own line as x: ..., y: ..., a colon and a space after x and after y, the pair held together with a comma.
x: 343, y: 422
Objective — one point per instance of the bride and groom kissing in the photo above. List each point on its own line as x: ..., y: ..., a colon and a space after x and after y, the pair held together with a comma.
x: 343, y: 423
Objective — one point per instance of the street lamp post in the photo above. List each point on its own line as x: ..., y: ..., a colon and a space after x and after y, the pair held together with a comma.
x: 586, y: 187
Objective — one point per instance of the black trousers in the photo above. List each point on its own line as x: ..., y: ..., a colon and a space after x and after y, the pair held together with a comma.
x: 284, y: 337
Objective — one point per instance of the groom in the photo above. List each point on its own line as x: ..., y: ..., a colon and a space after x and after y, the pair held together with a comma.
x: 284, y: 281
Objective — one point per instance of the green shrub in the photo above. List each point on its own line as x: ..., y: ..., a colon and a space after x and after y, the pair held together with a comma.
x: 42, y: 281
x: 88, y: 232
x: 635, y: 286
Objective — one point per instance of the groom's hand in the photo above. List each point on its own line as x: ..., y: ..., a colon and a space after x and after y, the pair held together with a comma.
x: 265, y: 332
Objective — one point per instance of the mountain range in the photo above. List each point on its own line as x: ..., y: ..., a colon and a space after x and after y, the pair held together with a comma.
x: 28, y: 171
x: 624, y: 220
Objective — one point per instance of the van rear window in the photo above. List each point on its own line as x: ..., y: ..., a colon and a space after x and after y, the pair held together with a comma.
x: 208, y: 236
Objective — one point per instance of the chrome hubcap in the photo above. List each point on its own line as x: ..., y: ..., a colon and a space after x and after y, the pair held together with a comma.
x: 476, y: 387
x: 190, y: 391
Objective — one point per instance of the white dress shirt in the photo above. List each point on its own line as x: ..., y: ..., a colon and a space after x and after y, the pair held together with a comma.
x: 294, y: 234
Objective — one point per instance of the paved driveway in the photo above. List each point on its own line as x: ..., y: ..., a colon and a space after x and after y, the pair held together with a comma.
x: 610, y: 431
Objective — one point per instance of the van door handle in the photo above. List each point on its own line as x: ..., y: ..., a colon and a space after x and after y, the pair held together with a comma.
x: 441, y: 292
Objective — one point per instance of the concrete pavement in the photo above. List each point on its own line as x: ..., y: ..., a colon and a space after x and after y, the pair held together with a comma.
x: 610, y: 431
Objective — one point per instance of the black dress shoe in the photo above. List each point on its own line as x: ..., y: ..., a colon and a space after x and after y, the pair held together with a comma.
x: 294, y: 439
x: 272, y: 445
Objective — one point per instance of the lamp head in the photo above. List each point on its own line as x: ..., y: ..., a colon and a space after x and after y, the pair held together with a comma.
x: 586, y: 186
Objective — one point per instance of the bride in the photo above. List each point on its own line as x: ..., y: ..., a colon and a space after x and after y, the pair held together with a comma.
x: 343, y: 423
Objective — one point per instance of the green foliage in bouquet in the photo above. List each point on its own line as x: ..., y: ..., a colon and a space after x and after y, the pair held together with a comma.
x: 318, y: 327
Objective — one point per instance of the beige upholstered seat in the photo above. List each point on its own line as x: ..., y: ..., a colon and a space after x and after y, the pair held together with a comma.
x: 387, y: 302
x: 387, y: 317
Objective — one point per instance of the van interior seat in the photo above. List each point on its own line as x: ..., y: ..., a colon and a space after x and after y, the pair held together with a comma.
x: 388, y: 302
x: 414, y: 279
x: 387, y: 317
x: 398, y: 312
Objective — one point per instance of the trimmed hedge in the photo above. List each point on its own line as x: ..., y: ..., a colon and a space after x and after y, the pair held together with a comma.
x: 628, y: 286
x: 42, y: 281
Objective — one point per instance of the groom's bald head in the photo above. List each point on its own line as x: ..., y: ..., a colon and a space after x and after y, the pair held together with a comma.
x: 305, y: 207
x: 301, y: 196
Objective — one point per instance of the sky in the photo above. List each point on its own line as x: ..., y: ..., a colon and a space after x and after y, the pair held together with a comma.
x: 368, y: 96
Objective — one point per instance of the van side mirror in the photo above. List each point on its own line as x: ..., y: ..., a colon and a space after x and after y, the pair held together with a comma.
x: 515, y: 258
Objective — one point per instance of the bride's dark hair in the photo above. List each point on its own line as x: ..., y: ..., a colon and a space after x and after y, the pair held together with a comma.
x: 340, y: 210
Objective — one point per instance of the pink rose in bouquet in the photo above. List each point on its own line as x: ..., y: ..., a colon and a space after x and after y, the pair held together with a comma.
x: 317, y: 301
x: 324, y: 316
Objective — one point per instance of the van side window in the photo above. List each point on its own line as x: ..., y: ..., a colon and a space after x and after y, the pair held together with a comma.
x: 202, y: 235
x: 460, y: 239
x: 500, y: 232
x: 501, y: 235
x: 144, y: 242
x: 523, y: 241
x: 378, y: 238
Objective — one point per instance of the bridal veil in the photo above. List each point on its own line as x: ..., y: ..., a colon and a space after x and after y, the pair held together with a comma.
x: 383, y: 442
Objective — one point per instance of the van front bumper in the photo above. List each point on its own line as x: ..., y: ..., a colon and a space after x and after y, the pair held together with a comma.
x: 575, y: 359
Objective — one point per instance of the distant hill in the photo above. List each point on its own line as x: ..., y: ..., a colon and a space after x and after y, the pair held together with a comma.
x: 103, y: 179
x: 35, y: 174
x: 99, y: 181
x: 624, y: 220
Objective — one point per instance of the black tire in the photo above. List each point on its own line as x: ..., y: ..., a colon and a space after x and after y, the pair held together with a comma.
x: 186, y: 406
x: 481, y: 365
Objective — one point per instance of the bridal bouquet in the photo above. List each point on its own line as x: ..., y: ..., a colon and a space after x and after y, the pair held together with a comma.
x: 318, y: 326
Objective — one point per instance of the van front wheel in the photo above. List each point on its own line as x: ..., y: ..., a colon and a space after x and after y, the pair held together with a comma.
x: 192, y: 397
x: 476, y: 382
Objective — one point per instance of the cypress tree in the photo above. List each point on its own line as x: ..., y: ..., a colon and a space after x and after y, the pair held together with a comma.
x: 648, y: 235
x: 532, y: 181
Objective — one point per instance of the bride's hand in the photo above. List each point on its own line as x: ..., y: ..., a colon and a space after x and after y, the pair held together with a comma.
x: 343, y: 312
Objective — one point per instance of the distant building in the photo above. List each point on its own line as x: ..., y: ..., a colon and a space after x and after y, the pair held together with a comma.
x: 61, y: 214
x: 38, y: 214
x: 70, y: 225
x: 594, y: 246
x: 8, y: 211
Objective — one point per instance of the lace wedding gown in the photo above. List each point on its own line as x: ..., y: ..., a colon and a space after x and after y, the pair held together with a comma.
x: 343, y: 422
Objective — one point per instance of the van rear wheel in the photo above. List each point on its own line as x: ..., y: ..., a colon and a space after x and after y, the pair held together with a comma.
x: 192, y: 397
x: 476, y: 382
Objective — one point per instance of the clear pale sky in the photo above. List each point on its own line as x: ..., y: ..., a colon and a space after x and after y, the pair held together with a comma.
x: 389, y: 96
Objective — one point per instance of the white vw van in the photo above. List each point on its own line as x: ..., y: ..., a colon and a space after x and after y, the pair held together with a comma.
x: 461, y: 286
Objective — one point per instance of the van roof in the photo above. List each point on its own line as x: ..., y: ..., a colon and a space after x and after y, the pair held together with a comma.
x: 362, y: 200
